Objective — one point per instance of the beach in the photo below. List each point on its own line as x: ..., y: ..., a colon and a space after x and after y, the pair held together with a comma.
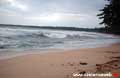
x: 59, y: 39
x: 62, y: 64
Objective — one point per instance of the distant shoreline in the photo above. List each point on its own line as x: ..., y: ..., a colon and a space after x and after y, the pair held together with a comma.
x: 57, y: 27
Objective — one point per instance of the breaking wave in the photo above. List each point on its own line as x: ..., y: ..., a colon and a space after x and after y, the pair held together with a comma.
x: 14, y: 38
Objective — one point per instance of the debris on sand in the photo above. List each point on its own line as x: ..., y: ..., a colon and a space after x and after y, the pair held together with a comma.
x: 108, y: 66
x: 83, y: 63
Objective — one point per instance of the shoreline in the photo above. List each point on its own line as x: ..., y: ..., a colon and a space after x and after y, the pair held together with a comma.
x: 62, y: 64
x: 12, y: 53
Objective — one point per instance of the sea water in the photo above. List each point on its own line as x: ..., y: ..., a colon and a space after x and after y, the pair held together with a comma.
x: 13, y: 39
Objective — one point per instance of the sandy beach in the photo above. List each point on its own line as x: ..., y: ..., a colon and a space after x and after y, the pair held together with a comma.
x: 62, y: 64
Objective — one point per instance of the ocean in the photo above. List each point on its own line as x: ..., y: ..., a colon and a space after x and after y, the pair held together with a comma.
x: 15, y: 39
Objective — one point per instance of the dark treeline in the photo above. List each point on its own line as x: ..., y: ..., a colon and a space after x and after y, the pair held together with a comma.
x: 110, y: 15
x: 56, y: 28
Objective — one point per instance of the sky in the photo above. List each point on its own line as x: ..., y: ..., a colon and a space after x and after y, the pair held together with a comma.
x: 75, y: 13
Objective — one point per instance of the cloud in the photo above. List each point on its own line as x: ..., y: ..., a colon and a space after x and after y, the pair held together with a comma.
x: 58, y: 17
x: 13, y: 4
x: 51, y: 12
x: 18, y: 5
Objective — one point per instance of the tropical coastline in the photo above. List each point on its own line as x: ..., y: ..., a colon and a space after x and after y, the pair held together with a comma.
x: 59, y: 39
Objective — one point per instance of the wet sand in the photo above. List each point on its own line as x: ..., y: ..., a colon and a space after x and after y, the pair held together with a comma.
x: 62, y: 64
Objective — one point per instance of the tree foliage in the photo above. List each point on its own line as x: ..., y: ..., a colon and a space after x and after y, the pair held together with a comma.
x: 111, y: 16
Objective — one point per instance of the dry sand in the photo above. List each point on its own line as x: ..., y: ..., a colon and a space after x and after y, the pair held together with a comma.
x: 62, y: 64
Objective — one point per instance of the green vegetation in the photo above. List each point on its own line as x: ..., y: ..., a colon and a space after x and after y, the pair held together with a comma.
x: 110, y: 15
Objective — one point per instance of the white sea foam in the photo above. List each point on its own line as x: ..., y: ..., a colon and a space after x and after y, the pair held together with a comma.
x: 20, y: 38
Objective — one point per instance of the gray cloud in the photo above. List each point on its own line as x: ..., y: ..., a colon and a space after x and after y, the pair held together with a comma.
x: 40, y: 12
